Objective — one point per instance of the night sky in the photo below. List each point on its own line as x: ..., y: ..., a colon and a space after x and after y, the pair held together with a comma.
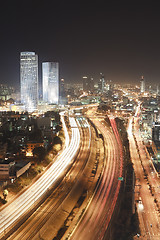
x: 118, y: 38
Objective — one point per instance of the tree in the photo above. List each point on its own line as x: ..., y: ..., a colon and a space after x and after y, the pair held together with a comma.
x: 58, y: 128
x: 39, y: 152
x: 57, y: 140
x: 5, y: 193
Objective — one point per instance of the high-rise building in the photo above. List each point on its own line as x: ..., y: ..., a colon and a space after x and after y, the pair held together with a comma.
x: 156, y: 140
x: 88, y: 84
x: 62, y: 88
x: 29, y: 80
x: 142, y: 84
x: 50, y: 75
x: 157, y: 90
x: 85, y: 83
x: 91, y: 85
x: 62, y: 92
x: 109, y: 85
x: 101, y: 83
x: 156, y: 132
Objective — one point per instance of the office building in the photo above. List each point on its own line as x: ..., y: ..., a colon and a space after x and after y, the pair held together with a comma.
x: 85, y: 83
x: 156, y: 132
x: 142, y: 81
x: 50, y: 76
x: 88, y: 84
x: 101, y: 83
x: 62, y: 93
x: 156, y: 140
x: 29, y: 80
x: 62, y: 88
x: 157, y: 90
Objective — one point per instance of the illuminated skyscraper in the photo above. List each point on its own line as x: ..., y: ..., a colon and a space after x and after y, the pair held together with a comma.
x: 62, y: 92
x: 50, y: 73
x: 29, y: 80
x: 101, y: 83
x: 142, y: 84
x: 85, y: 83
x: 62, y: 88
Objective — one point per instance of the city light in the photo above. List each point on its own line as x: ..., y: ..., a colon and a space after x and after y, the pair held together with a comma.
x: 80, y: 120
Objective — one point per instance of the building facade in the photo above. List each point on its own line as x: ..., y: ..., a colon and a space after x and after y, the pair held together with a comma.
x: 156, y: 132
x: 142, y: 87
x: 101, y: 83
x: 29, y: 80
x: 6, y: 169
x: 156, y: 140
x: 88, y: 84
x: 50, y: 76
x: 62, y: 92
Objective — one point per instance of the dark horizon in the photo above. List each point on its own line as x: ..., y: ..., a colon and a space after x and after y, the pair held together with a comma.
x: 120, y: 39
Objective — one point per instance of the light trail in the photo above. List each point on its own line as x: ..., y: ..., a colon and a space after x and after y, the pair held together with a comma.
x: 113, y: 204
x: 98, y: 213
x: 26, y: 200
x: 147, y: 213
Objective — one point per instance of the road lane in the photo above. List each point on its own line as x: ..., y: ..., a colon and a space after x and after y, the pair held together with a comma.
x: 26, y: 200
x: 148, y: 216
x: 98, y: 214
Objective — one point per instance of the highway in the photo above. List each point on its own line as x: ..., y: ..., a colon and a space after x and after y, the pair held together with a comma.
x: 98, y: 214
x: 147, y: 210
x: 51, y: 215
x: 17, y: 209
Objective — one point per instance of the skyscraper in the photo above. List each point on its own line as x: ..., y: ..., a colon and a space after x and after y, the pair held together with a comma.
x: 88, y: 84
x: 101, y: 83
x: 142, y: 84
x: 50, y: 74
x: 29, y: 80
x: 157, y: 91
x: 85, y: 84
x: 156, y: 132
x: 62, y: 88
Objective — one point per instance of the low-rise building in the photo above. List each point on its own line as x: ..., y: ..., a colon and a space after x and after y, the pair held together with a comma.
x: 21, y: 167
x: 6, y: 169
x: 31, y: 146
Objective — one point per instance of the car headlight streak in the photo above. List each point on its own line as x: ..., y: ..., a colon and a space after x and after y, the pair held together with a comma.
x: 22, y: 203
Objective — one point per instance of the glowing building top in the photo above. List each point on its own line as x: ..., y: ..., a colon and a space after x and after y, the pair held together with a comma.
x: 29, y: 80
x: 50, y: 74
x: 27, y: 53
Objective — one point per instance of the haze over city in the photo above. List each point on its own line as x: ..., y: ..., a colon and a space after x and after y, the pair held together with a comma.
x: 119, y: 38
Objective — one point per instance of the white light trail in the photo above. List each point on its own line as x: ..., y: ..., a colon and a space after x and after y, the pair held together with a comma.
x: 27, y: 199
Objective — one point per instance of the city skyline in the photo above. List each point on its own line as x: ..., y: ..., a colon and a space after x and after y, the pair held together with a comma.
x: 79, y: 120
x: 120, y: 39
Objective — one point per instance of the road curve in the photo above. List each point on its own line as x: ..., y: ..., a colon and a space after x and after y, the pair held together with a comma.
x: 23, y: 203
x: 97, y: 217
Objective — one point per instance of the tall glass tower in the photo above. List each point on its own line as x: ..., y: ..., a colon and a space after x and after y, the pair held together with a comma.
x: 50, y: 74
x: 29, y: 80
